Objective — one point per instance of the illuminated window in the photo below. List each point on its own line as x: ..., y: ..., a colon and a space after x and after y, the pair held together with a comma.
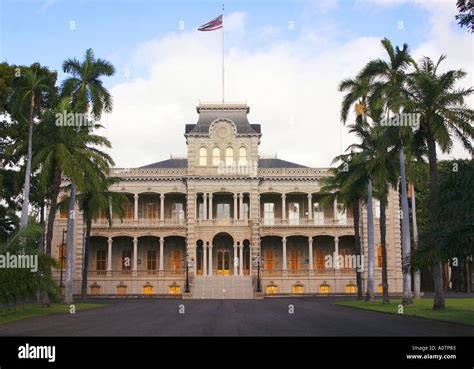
x: 272, y: 289
x: 95, y: 290
x: 324, y: 288
x: 216, y: 156
x: 202, y: 156
x: 151, y: 260
x: 351, y: 288
x: 121, y: 290
x: 101, y: 260
x: 380, y: 288
x: 297, y: 288
x: 229, y: 156
x: 174, y: 289
x: 379, y: 256
x: 242, y: 156
x: 148, y: 290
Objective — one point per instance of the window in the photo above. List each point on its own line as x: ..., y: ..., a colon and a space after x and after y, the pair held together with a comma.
x: 201, y: 211
x: 151, y: 260
x: 320, y: 262
x: 242, y: 156
x: 269, y: 213
x: 377, y: 208
x: 95, y: 290
x: 380, y: 288
x: 294, y: 213
x: 294, y: 260
x: 148, y: 290
x: 176, y: 261
x: 174, y: 289
x: 271, y: 289
x: 297, y: 288
x: 341, y: 214
x: 223, y: 212
x: 152, y: 211
x: 202, y: 156
x: 126, y: 259
x: 379, y: 256
x: 324, y: 288
x: 216, y: 156
x: 229, y: 156
x: 178, y: 211
x: 318, y: 214
x: 128, y: 210
x: 101, y: 260
x: 351, y: 288
x: 269, y: 260
x: 121, y: 290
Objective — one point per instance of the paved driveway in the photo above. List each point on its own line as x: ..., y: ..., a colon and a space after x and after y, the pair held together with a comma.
x: 270, y: 317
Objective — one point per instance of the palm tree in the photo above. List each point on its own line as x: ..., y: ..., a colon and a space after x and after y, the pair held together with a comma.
x: 88, y: 93
x: 390, y: 79
x: 443, y: 114
x: 33, y: 87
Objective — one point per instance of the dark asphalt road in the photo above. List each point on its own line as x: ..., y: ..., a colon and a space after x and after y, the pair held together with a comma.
x: 269, y: 317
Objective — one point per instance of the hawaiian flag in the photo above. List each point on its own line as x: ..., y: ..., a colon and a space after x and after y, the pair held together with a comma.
x: 214, y: 24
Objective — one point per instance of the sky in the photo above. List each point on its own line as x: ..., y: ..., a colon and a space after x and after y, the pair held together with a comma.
x: 284, y: 58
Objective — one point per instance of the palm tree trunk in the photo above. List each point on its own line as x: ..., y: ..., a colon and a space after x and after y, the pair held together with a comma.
x: 55, y: 187
x: 416, y: 276
x: 370, y: 296
x: 438, y: 302
x: 68, y: 295
x: 406, y: 299
x: 85, y: 267
x: 356, y: 219
x: 383, y: 241
x: 42, y: 223
x: 26, y: 187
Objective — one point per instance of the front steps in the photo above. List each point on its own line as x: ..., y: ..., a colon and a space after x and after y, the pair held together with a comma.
x: 218, y: 287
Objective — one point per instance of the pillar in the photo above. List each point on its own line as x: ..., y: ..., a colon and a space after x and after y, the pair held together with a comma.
x: 204, y: 255
x: 135, y: 253
x: 310, y: 207
x: 162, y: 207
x: 241, y: 260
x: 109, y: 254
x: 283, y: 241
x: 241, y: 206
x: 310, y: 247
x: 335, y: 217
x: 162, y: 253
x: 283, y: 207
x: 235, y: 207
x: 210, y: 259
x: 210, y: 207
x: 135, y: 207
x: 336, y: 252
x: 235, y: 256
x: 204, y: 196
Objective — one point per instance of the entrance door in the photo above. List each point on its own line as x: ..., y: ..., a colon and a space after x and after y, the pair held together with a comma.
x: 176, y: 261
x: 223, y: 262
x: 269, y: 260
x: 294, y: 260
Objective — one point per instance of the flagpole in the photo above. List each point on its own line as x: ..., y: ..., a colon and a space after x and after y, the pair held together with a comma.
x: 223, y: 53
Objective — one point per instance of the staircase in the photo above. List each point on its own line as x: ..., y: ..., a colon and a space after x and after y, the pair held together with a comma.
x: 218, y: 287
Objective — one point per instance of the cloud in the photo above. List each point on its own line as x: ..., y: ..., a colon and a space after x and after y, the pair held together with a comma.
x: 291, y: 91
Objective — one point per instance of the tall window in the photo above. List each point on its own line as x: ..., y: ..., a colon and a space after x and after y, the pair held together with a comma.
x: 318, y: 214
x: 178, y: 211
x: 101, y: 260
x: 294, y: 260
x: 176, y: 260
x: 152, y: 211
x: 216, y: 156
x: 229, y: 156
x: 126, y: 259
x: 320, y: 262
x: 223, y: 212
x: 128, y: 210
x: 242, y: 156
x: 269, y: 213
x: 201, y: 211
x: 269, y: 259
x: 151, y: 260
x: 294, y: 213
x: 379, y: 256
x: 202, y: 156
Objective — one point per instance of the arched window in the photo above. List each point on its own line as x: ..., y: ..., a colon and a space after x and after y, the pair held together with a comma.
x: 242, y: 156
x: 351, y: 288
x: 121, y: 290
x: 324, y: 288
x: 148, y: 289
x: 297, y: 288
x: 174, y: 289
x: 379, y: 256
x: 271, y: 289
x: 216, y: 156
x: 229, y: 156
x: 202, y: 156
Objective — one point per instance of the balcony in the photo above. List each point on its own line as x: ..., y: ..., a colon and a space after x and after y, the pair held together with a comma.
x: 305, y: 272
x: 140, y: 223
x: 222, y: 222
x: 139, y: 273
x: 305, y: 222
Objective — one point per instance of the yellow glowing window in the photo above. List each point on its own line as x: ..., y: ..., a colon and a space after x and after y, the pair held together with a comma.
x: 324, y: 288
x: 148, y: 290
x: 216, y: 156
x: 380, y: 288
x: 272, y: 289
x: 297, y: 288
x: 174, y: 290
x: 243, y: 156
x: 121, y: 290
x: 351, y: 288
x: 95, y: 290
x: 202, y: 156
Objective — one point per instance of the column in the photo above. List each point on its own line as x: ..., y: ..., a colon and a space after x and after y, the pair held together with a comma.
x: 241, y: 206
x: 210, y: 259
x: 335, y: 218
x: 162, y: 253
x: 162, y: 207
x: 310, y: 207
x: 283, y: 207
x: 204, y: 255
x: 204, y: 196
x: 235, y: 207
x: 235, y: 256
x: 109, y: 254
x: 241, y: 260
x: 283, y: 241
x: 110, y: 211
x: 336, y: 252
x: 135, y: 207
x: 210, y: 206
x: 310, y: 247
x: 135, y: 253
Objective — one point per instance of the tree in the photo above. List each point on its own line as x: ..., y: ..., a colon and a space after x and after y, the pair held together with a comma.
x: 465, y: 17
x: 443, y: 115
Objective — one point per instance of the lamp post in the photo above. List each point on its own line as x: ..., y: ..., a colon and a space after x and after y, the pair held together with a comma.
x: 61, y: 261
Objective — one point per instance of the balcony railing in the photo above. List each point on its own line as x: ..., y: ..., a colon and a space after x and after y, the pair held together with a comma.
x: 141, y: 222
x: 222, y: 222
x: 130, y: 273
x: 305, y: 222
x: 305, y: 272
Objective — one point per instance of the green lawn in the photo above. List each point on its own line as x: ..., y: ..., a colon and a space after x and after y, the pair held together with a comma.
x: 33, y: 310
x: 458, y: 310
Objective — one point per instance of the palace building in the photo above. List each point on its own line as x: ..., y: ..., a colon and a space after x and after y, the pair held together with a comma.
x: 230, y: 218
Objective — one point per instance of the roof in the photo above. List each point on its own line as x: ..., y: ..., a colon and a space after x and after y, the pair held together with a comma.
x: 262, y: 163
x: 237, y: 113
